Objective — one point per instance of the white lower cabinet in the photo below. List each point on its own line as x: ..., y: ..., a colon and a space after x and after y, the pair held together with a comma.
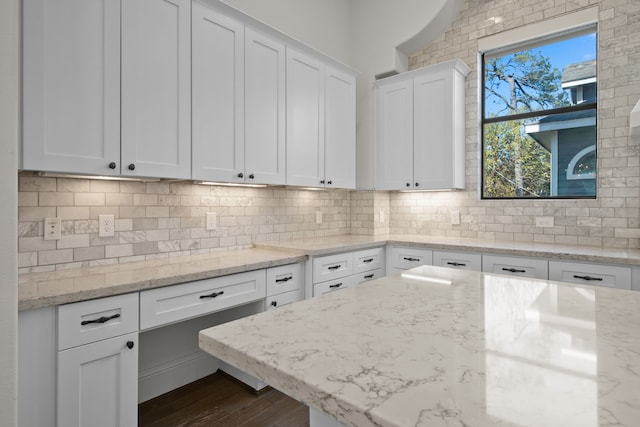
x: 285, y: 285
x: 98, y: 383
x: 98, y: 362
x: 459, y: 260
x: 516, y: 266
x: 613, y: 276
x: 403, y: 258
x: 340, y: 271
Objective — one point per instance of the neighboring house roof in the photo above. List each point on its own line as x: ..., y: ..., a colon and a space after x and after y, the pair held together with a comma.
x: 579, y: 73
x: 540, y: 130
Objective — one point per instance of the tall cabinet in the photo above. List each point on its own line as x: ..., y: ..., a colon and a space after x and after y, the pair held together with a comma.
x: 106, y: 87
x: 421, y: 129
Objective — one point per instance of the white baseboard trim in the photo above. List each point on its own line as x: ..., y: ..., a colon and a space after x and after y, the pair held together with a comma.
x: 166, y: 377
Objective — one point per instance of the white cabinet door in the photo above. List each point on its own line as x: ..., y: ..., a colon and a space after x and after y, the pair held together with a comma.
x: 98, y: 383
x: 305, y: 120
x: 340, y: 129
x: 265, y: 109
x: 218, y: 96
x: 394, y: 155
x: 435, y: 160
x: 71, y: 86
x: 156, y: 88
x: 613, y: 276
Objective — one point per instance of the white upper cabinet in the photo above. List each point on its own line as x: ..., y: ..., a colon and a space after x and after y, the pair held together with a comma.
x: 320, y: 123
x: 420, y: 129
x: 265, y: 109
x: 71, y: 86
x: 394, y: 155
x: 218, y: 96
x: 156, y: 88
x: 305, y: 119
x: 340, y: 129
x: 79, y: 57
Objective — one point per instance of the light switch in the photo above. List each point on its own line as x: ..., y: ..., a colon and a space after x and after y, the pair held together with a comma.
x: 455, y: 217
x: 318, y: 217
x: 52, y: 229
x: 212, y: 221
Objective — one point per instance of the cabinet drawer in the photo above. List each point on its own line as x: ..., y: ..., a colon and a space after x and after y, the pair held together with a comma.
x: 285, y: 278
x: 89, y: 321
x: 460, y: 260
x: 369, y: 275
x: 591, y: 274
x: 368, y: 259
x: 332, y: 266
x: 281, y: 300
x: 405, y: 258
x: 179, y: 302
x: 516, y: 266
x: 335, y: 285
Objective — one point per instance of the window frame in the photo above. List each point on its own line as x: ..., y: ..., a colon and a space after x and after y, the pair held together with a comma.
x: 523, y: 44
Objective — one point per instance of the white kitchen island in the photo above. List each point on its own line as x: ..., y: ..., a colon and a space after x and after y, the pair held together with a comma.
x: 444, y: 347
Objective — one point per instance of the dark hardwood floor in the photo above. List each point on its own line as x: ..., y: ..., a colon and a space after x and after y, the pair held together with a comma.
x: 222, y: 401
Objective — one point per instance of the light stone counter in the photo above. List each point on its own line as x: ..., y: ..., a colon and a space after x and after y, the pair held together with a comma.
x: 442, y: 347
x: 37, y: 290
x: 327, y: 245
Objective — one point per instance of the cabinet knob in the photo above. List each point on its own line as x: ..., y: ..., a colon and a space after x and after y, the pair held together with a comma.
x: 417, y: 184
x: 130, y: 344
x: 252, y: 176
x: 408, y: 184
x: 329, y: 182
x: 112, y: 165
x: 240, y: 175
x: 274, y: 303
x: 322, y: 182
x: 132, y: 166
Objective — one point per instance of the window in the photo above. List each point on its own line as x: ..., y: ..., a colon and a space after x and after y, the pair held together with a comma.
x: 539, y: 108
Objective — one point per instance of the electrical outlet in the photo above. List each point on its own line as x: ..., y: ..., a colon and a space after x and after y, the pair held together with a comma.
x: 318, y: 217
x: 381, y: 216
x: 544, y: 221
x: 211, y: 221
x: 455, y: 217
x: 106, y: 226
x: 52, y: 229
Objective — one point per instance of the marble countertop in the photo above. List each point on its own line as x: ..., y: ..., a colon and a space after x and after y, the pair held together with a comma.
x: 444, y: 347
x: 326, y: 245
x: 37, y: 290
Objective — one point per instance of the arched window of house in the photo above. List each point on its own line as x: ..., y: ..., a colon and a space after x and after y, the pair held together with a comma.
x: 583, y: 164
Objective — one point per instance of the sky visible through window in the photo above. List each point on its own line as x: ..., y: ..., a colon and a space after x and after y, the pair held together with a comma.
x: 560, y: 54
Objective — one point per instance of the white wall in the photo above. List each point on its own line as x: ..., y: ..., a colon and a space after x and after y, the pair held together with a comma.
x: 322, y: 24
x: 9, y: 84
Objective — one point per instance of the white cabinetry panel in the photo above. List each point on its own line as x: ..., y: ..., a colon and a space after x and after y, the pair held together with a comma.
x: 460, y: 260
x: 305, y: 119
x: 98, y: 383
x: 591, y: 274
x: 340, y: 129
x: 218, y: 96
x: 265, y: 109
x: 405, y: 258
x: 71, y: 86
x: 156, y: 88
x: 516, y: 266
x: 394, y: 155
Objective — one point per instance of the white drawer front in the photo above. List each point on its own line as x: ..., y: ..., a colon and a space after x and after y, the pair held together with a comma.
x: 332, y: 266
x: 179, y: 302
x: 459, y: 260
x: 281, y: 300
x: 591, y: 274
x: 369, y: 275
x: 405, y: 258
x: 368, y: 259
x: 285, y: 278
x: 335, y: 285
x: 95, y: 320
x: 516, y: 266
